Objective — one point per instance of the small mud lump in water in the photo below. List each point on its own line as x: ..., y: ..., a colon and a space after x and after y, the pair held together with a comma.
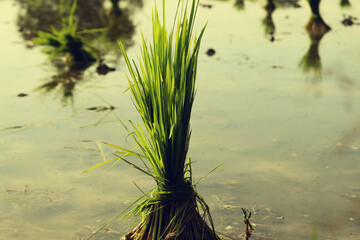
x: 210, y: 52
x: 271, y: 38
x: 348, y: 21
x: 103, y: 69
x: 206, y: 5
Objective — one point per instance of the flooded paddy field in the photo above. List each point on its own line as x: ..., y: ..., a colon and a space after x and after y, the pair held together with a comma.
x: 277, y: 101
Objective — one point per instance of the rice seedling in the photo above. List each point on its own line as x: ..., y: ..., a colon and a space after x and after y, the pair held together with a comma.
x: 249, y: 228
x: 68, y: 42
x: 163, y: 90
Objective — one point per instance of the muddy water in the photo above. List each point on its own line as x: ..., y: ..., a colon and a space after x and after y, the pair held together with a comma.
x: 287, y: 132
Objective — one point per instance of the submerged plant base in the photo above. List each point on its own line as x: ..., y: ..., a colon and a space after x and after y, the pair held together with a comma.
x: 175, y: 216
x: 317, y: 27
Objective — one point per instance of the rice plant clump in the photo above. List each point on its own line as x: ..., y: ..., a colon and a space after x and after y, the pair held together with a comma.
x: 163, y: 89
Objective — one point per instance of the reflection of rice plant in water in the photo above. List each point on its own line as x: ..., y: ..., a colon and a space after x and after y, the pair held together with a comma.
x: 316, y: 28
x: 239, y: 4
x: 163, y: 90
x: 270, y: 5
x: 115, y: 9
x: 65, y: 82
x: 113, y: 18
x: 268, y: 23
x: 119, y: 26
x: 314, y: 5
x: 316, y: 24
x: 67, y: 42
x: 311, y: 60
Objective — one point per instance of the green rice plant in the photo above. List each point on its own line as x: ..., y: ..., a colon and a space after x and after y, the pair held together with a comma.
x: 68, y: 42
x: 163, y: 90
x: 249, y: 228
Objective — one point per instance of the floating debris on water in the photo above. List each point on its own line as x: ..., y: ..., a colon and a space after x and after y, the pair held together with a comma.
x: 22, y: 94
x: 349, y: 21
x: 206, y: 5
x: 101, y: 108
x: 227, y: 228
x: 18, y: 127
x: 14, y: 127
x: 103, y: 69
x: 228, y: 206
x: 210, y: 52
x: 296, y: 5
x: 271, y: 38
x: 274, y: 66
